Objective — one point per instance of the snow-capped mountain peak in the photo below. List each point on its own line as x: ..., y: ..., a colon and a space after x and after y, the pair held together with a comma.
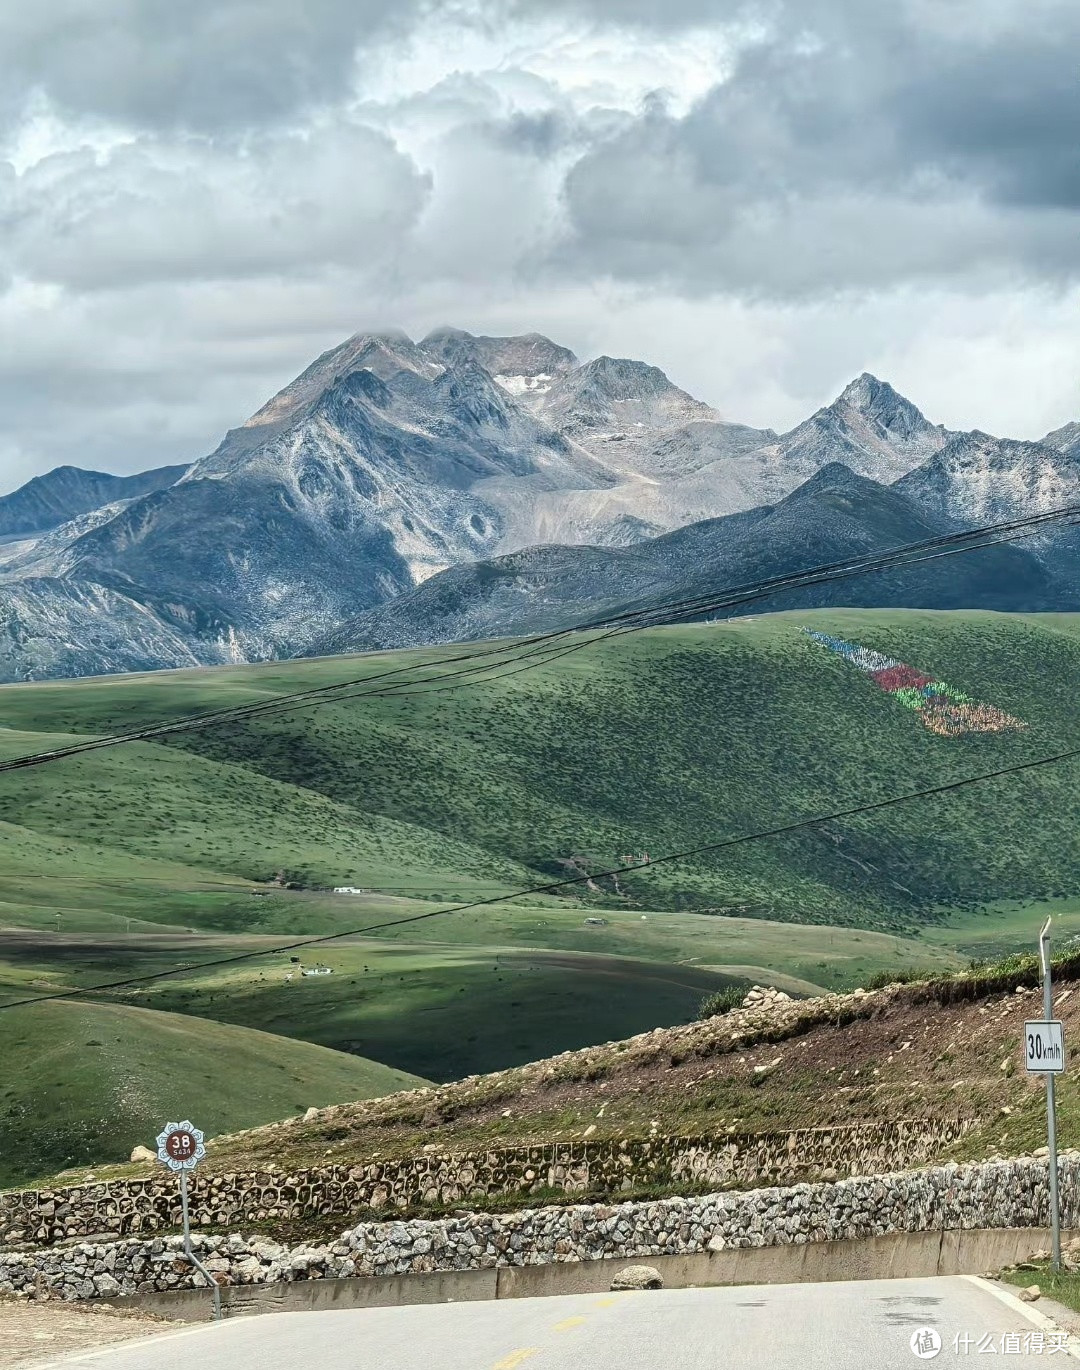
x: 387, y: 461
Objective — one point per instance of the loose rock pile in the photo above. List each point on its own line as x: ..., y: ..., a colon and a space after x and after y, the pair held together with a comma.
x: 996, y: 1194
x: 765, y: 996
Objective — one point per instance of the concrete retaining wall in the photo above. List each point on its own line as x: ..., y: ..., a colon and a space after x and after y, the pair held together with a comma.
x: 900, y: 1255
x: 744, y: 1161
x: 944, y: 1200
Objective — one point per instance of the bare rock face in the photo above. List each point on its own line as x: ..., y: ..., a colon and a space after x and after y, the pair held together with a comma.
x: 638, y: 1277
x: 62, y: 494
x: 1066, y: 439
x: 523, y: 365
x: 977, y: 478
x: 398, y: 493
x: 143, y: 1153
x: 835, y: 513
x: 870, y: 428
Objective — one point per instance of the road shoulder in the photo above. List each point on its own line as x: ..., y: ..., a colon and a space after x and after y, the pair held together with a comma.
x: 34, y: 1334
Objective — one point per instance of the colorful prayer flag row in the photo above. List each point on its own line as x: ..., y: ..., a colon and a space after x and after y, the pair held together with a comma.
x: 944, y: 710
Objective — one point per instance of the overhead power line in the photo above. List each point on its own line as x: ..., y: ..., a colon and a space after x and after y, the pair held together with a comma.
x: 724, y: 844
x: 640, y: 619
x: 507, y: 659
x: 526, y: 654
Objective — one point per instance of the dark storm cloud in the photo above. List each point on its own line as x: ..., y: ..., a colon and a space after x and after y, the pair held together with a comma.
x: 345, y: 164
x: 867, y: 148
x: 1005, y: 117
x: 202, y: 64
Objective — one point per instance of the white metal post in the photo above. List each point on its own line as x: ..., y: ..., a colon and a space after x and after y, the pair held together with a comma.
x: 184, y: 1210
x: 189, y: 1251
x: 1051, y: 1116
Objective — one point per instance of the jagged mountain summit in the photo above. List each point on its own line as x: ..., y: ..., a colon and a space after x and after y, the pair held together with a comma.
x: 526, y: 365
x: 981, y: 479
x: 1065, y: 439
x: 614, y: 395
x: 358, y: 480
x: 675, y: 460
x: 388, y: 462
x: 869, y: 427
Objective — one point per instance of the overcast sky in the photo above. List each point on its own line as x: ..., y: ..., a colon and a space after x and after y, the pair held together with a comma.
x: 198, y: 198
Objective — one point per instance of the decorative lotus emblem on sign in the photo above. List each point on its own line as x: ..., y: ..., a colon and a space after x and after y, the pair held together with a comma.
x: 180, y: 1146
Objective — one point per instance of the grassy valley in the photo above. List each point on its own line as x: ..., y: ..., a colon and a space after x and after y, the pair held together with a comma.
x: 945, y: 1049
x: 145, y: 857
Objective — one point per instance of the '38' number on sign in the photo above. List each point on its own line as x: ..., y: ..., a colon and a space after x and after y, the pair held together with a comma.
x: 180, y: 1146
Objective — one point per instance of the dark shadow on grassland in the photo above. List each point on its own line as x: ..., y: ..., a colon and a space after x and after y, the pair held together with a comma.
x: 82, y: 1083
x: 82, y: 961
x: 445, y: 1015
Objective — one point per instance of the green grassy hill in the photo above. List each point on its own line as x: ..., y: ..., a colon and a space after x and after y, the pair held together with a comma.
x: 83, y: 1084
x: 655, y: 742
x: 143, y: 857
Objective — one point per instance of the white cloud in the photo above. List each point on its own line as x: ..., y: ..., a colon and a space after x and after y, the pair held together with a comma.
x: 161, y: 208
x: 553, y: 58
x: 760, y: 204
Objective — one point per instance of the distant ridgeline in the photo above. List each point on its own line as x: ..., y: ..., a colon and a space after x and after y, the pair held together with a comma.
x: 943, y: 709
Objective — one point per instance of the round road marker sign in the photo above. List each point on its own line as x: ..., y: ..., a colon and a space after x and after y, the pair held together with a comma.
x: 180, y: 1146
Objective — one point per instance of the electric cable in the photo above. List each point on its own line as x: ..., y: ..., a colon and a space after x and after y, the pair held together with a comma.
x: 541, y: 645
x: 741, y: 839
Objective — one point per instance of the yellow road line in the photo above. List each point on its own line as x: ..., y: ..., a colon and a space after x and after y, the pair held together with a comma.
x: 606, y: 1303
x: 568, y: 1323
x: 515, y: 1358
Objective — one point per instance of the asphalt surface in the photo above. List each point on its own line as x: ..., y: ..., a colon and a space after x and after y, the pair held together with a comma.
x: 842, y: 1326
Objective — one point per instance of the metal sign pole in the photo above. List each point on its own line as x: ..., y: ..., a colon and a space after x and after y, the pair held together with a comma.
x: 189, y: 1252
x: 1051, y: 1116
x: 184, y: 1210
x: 180, y: 1147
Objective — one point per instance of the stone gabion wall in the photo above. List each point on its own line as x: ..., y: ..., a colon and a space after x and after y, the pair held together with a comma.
x: 998, y: 1194
x: 128, y: 1207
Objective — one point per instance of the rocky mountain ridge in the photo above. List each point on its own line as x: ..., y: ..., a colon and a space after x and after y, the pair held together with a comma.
x: 50, y: 500
x: 833, y: 516
x: 1065, y: 439
x: 983, y: 479
x: 388, y: 462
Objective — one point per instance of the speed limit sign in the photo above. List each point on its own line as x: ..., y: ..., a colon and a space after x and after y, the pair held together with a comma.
x: 180, y: 1146
x: 1044, y: 1047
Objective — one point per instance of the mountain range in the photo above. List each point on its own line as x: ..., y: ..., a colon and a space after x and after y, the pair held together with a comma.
x: 399, y: 492
x: 833, y: 516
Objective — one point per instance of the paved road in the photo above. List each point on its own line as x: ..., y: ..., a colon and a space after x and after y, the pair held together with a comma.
x: 853, y: 1326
